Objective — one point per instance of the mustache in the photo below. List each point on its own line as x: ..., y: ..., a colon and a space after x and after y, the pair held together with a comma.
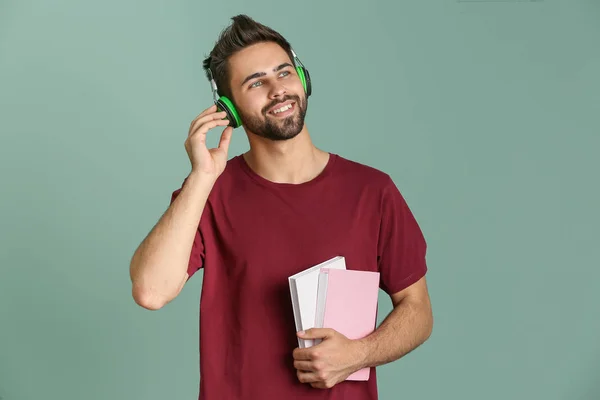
x: 286, y: 98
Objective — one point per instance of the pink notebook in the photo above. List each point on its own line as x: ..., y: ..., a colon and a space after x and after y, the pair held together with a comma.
x: 347, y: 302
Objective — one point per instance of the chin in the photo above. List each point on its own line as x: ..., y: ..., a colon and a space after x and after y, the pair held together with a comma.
x: 277, y: 129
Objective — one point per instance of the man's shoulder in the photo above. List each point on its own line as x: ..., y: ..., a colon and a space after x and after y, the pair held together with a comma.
x: 362, y: 173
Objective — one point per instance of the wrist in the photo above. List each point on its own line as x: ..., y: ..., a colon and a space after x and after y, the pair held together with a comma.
x: 362, y: 353
x: 201, y: 178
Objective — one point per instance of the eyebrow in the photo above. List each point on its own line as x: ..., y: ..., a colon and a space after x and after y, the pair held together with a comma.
x: 259, y: 74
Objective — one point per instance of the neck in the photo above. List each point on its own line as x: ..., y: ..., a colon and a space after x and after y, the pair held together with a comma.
x: 293, y: 161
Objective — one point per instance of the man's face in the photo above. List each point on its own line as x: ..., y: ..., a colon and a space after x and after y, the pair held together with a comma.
x: 263, y: 79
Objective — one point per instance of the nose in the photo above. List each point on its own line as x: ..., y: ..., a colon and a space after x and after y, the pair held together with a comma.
x: 278, y: 91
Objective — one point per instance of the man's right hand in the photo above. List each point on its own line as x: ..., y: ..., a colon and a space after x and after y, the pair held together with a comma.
x: 206, y: 161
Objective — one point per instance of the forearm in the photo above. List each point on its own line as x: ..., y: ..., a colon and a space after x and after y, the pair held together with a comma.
x: 404, y: 329
x: 159, y: 265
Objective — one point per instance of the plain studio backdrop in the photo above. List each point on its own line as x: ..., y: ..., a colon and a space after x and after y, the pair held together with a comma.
x: 485, y: 113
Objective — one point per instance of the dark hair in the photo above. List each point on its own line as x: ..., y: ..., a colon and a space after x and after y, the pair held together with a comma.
x: 243, y: 32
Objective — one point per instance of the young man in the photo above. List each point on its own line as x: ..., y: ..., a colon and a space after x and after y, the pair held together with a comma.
x: 262, y: 216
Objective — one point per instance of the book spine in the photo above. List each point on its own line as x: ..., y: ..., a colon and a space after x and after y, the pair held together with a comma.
x: 321, y: 300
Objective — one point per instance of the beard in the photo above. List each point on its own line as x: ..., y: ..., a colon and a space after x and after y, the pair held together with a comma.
x: 274, y: 128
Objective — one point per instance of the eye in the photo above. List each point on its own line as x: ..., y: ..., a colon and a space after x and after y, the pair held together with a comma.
x: 254, y: 84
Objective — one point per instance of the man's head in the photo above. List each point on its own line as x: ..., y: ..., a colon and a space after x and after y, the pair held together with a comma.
x: 253, y: 66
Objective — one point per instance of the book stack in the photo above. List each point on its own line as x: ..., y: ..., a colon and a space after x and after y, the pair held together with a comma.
x: 328, y: 295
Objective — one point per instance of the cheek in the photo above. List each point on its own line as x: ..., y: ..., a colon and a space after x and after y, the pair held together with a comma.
x: 249, y: 105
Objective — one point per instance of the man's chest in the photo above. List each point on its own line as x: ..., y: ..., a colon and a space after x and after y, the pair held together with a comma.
x: 274, y: 236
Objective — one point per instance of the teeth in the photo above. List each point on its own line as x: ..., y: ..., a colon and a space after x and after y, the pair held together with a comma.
x: 282, y: 109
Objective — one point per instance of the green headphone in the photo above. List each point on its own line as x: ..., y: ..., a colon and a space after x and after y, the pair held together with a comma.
x: 224, y: 104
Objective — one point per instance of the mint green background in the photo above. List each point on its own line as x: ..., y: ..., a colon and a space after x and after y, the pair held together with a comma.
x: 486, y: 114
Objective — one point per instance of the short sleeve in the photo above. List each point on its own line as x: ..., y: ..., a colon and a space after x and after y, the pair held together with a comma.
x: 196, y: 260
x: 401, y: 247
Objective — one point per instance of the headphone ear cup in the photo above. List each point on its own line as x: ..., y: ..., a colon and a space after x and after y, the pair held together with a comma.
x: 308, y: 85
x: 305, y: 79
x: 224, y: 104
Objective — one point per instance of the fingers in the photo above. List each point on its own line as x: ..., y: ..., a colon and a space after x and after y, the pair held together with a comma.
x: 310, y: 377
x: 201, y: 121
x: 306, y: 376
x: 302, y: 354
x: 313, y: 372
x: 317, y: 333
x: 226, y: 139
x: 321, y: 385
x: 210, y: 109
x: 305, y: 366
x: 204, y: 128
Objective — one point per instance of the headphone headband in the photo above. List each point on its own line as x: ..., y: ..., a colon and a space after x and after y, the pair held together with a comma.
x: 213, y: 85
x: 296, y: 59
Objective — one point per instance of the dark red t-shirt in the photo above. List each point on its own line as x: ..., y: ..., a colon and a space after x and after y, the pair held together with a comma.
x: 254, y: 234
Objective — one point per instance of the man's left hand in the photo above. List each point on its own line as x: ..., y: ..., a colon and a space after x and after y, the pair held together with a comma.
x: 331, y: 361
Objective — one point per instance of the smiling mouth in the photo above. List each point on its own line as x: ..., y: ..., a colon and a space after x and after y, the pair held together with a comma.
x: 283, y: 111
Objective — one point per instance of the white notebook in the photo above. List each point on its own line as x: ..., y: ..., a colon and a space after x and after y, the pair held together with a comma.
x: 303, y: 290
